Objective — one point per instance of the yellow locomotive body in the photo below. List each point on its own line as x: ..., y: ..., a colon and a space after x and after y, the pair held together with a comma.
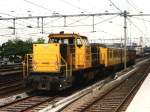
x: 110, y: 56
x: 83, y: 57
x: 67, y: 59
x: 46, y: 57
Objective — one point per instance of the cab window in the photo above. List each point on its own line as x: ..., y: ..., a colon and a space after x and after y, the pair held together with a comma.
x: 63, y: 41
x: 79, y: 41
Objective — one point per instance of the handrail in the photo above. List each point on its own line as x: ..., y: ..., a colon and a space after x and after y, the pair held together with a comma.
x: 65, y: 65
x: 26, y: 65
x: 68, y: 66
x: 71, y: 64
x: 24, y: 73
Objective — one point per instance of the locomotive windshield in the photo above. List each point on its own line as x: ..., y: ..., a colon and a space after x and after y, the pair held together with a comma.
x: 85, y: 41
x: 62, y: 40
x: 79, y: 41
x: 72, y: 39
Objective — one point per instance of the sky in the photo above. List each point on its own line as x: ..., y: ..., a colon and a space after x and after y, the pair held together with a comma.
x: 107, y: 28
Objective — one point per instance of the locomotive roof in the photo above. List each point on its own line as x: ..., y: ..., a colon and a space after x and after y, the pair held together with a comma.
x: 66, y: 35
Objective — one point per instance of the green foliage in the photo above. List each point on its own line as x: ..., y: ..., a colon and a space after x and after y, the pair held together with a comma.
x: 40, y: 40
x: 16, y: 47
x: 0, y: 51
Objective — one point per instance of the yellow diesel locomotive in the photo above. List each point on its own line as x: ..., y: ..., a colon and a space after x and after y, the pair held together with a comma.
x: 68, y: 58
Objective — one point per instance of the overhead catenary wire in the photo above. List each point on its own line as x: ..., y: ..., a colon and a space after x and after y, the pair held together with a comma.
x: 131, y: 3
x: 14, y: 28
x: 138, y: 10
x: 141, y: 19
x: 89, y: 15
x: 51, y: 10
x: 47, y: 8
x: 73, y: 23
x: 10, y: 15
x: 105, y: 20
x: 84, y: 24
x: 84, y: 9
x: 78, y: 15
x: 134, y: 7
x: 71, y: 26
x: 14, y: 18
x: 45, y: 24
x: 40, y: 6
x: 34, y: 5
x: 115, y: 5
x: 68, y: 3
x: 145, y: 26
x: 88, y: 11
x: 98, y: 30
x: 102, y: 31
x: 78, y: 20
x: 135, y: 25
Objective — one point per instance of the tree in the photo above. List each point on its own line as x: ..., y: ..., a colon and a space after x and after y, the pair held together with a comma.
x: 16, y: 47
x: 40, y: 40
x: 0, y: 51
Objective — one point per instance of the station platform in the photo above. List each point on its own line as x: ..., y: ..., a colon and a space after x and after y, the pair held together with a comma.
x: 141, y: 101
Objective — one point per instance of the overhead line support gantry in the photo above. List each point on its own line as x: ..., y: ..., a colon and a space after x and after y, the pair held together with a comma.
x: 124, y: 14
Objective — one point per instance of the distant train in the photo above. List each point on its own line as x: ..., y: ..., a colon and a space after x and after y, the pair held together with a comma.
x: 69, y: 58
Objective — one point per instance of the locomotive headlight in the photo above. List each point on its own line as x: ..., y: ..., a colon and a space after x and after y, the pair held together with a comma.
x: 34, y: 67
x: 60, y: 85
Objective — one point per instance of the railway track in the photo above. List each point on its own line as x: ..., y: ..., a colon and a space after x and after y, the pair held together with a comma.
x: 10, y: 69
x: 11, y: 79
x: 35, y: 102
x: 26, y: 104
x: 9, y: 89
x: 10, y: 84
x: 10, y: 66
x: 7, y: 70
x: 116, y: 99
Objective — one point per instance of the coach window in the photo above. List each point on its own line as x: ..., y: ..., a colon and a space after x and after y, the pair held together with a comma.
x: 110, y: 53
x: 115, y: 53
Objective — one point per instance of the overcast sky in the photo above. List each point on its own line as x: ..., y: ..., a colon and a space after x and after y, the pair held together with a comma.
x: 112, y: 28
